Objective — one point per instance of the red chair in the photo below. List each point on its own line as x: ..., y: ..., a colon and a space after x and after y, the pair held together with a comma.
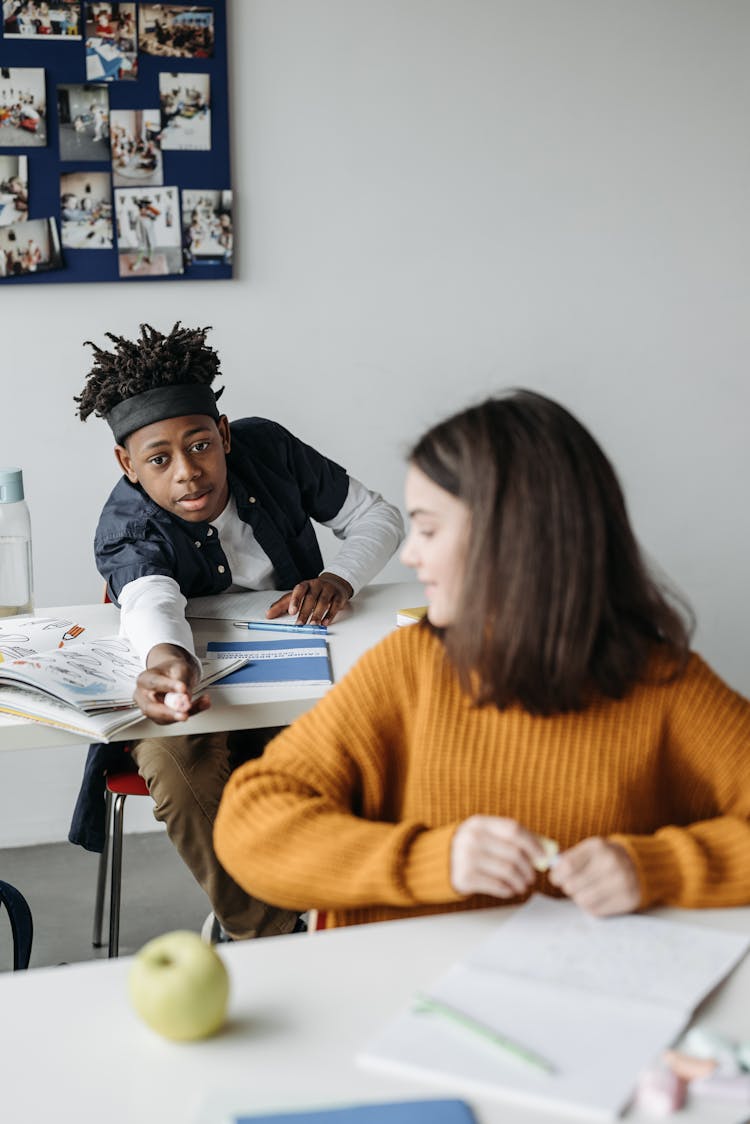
x: 120, y: 785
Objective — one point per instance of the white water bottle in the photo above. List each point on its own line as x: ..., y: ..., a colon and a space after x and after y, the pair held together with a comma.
x: 16, y: 581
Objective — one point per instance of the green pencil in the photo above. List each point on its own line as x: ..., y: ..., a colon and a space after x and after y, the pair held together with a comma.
x: 427, y: 1005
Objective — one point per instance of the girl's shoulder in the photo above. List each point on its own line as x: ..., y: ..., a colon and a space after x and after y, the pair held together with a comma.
x: 693, y: 686
x: 411, y: 648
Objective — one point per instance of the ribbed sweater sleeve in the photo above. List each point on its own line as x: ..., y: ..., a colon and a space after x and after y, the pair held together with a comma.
x: 314, y: 822
x: 701, y: 858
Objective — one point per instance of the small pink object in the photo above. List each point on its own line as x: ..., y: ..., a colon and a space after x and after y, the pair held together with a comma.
x: 687, y: 1066
x: 660, y: 1091
x: 176, y: 701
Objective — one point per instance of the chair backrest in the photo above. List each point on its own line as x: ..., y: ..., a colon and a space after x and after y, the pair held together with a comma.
x: 21, y: 924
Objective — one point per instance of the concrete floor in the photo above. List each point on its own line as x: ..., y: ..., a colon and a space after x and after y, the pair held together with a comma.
x: 59, y: 882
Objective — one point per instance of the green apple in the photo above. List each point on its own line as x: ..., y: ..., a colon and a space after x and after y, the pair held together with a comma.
x: 179, y: 986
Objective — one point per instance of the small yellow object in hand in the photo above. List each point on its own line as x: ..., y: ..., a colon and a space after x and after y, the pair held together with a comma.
x: 551, y: 851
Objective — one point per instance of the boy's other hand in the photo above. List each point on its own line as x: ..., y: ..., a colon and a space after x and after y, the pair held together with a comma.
x: 494, y: 855
x: 316, y: 601
x: 164, y: 691
x: 599, y: 876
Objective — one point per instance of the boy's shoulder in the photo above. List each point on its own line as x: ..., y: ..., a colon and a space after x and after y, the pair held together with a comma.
x: 127, y: 510
x: 254, y: 428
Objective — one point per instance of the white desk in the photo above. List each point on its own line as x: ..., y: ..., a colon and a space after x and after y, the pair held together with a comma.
x: 73, y: 1052
x: 371, y: 615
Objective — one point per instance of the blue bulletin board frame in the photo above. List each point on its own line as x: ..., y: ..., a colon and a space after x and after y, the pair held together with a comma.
x: 64, y: 63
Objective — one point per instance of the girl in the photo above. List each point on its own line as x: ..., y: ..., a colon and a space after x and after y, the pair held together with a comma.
x: 550, y: 691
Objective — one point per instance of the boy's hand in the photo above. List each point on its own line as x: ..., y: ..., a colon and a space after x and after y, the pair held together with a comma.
x: 599, y: 876
x: 493, y: 855
x: 164, y: 691
x: 316, y: 601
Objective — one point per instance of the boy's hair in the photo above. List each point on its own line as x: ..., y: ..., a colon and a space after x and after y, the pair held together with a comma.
x: 154, y: 360
x: 557, y: 605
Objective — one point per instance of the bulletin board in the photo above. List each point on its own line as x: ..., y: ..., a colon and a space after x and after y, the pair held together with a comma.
x: 117, y: 115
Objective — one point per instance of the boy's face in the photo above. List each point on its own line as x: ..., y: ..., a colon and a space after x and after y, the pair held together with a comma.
x: 181, y: 464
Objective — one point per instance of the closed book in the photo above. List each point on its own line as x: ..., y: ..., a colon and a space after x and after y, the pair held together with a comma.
x: 411, y: 616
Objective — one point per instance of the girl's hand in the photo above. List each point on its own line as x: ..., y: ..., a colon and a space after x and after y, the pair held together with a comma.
x: 599, y: 876
x: 493, y: 855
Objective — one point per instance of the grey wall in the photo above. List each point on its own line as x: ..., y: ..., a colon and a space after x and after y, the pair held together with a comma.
x: 436, y: 199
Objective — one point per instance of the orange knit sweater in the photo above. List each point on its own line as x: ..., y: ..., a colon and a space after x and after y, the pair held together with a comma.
x: 352, y: 809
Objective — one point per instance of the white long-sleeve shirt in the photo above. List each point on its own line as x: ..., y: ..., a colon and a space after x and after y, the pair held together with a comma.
x: 371, y: 529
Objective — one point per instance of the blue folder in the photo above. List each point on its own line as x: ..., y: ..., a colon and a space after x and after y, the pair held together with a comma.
x: 282, y: 668
x: 399, y: 1112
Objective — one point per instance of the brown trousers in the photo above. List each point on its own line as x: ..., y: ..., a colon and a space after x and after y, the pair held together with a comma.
x: 185, y: 777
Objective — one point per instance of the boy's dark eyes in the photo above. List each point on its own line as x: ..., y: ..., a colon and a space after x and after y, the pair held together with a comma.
x: 161, y: 459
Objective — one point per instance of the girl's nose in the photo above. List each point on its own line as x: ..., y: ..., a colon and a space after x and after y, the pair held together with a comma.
x: 407, y: 553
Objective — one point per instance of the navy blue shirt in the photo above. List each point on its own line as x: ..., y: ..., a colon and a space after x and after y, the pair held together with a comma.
x: 279, y: 484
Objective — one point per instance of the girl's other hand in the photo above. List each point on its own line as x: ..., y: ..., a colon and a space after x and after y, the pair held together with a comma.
x: 599, y: 876
x: 494, y: 855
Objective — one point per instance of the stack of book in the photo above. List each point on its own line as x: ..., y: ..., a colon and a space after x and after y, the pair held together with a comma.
x: 51, y: 673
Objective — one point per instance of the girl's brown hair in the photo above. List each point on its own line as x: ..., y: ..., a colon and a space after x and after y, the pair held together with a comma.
x: 557, y: 605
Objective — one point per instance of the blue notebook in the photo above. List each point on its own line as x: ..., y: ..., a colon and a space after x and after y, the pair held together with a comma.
x: 294, y: 659
x: 400, y: 1112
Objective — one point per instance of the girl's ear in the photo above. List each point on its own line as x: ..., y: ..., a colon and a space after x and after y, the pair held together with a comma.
x: 125, y: 463
x: 223, y: 427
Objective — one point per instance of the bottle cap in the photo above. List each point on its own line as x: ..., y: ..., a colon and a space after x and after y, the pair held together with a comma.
x: 11, y: 485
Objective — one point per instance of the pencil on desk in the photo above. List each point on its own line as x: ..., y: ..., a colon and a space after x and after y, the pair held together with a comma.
x: 426, y: 1004
x: 276, y: 626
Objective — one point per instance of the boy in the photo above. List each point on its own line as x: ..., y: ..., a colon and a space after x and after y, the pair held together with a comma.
x: 203, y: 507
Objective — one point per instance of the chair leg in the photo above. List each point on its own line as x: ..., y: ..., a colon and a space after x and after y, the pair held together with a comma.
x: 116, y: 877
x: 101, y: 877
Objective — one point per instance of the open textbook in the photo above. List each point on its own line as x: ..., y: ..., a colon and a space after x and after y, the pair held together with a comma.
x: 595, y: 1000
x: 51, y: 672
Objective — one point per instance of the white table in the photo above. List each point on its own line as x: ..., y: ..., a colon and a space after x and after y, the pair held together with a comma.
x: 73, y: 1052
x: 371, y: 615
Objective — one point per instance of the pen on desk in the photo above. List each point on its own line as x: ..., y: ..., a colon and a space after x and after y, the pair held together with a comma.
x: 277, y: 626
x: 428, y: 1005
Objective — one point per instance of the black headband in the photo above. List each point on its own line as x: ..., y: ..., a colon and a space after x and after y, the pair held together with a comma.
x: 160, y: 403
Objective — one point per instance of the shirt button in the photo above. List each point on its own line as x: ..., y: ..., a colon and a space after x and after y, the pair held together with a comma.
x: 251, y: 499
x: 198, y: 545
x: 221, y: 569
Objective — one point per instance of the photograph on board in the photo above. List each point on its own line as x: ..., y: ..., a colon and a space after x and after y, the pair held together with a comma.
x: 111, y: 44
x: 185, y: 103
x: 24, y: 19
x: 29, y: 247
x: 14, y: 189
x: 207, y: 228
x: 135, y: 137
x: 23, y: 107
x: 86, y: 210
x: 176, y: 31
x: 83, y: 117
x: 148, y: 231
